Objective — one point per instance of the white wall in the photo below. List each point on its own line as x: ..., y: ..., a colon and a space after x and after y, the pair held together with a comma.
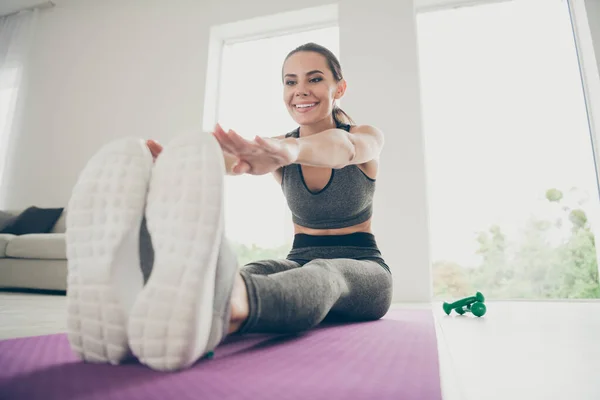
x: 106, y: 69
x: 380, y: 63
x: 101, y: 70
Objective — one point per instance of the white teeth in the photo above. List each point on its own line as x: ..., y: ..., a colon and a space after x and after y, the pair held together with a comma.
x: 305, y: 105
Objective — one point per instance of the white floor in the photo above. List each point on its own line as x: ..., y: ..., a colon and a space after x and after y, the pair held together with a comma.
x: 518, y: 350
x: 521, y: 350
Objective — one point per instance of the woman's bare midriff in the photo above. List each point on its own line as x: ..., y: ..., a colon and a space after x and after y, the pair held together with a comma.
x: 362, y: 227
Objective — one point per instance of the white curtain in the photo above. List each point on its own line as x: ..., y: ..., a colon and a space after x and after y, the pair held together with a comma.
x: 16, y: 32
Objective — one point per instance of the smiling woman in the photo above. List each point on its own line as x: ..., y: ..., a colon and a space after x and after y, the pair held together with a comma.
x: 333, y: 241
x: 315, y: 77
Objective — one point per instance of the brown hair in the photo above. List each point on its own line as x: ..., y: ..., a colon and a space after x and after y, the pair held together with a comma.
x: 339, y: 115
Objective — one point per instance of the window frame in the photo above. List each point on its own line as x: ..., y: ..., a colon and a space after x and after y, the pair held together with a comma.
x: 255, y: 29
x: 590, y: 80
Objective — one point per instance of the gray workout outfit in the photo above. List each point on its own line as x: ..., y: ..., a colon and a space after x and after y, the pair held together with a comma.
x: 342, y: 275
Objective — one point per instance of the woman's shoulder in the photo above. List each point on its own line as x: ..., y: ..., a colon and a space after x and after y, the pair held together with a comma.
x: 364, y: 128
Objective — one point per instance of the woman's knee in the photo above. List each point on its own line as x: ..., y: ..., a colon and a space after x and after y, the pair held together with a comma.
x: 381, y: 307
x: 383, y: 300
x: 267, y: 267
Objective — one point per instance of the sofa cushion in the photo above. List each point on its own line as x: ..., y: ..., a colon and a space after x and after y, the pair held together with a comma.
x: 33, y: 220
x: 48, y: 246
x: 4, y: 239
x: 32, y: 274
x: 61, y: 225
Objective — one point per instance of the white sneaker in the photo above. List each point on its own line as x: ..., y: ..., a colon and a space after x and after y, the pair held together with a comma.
x: 171, y: 320
x: 102, y: 235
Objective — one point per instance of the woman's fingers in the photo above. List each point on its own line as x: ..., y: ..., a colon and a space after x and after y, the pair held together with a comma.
x: 233, y: 143
x: 240, y: 144
x: 224, y: 141
x: 243, y: 146
x: 219, y: 129
x: 242, y: 167
x: 154, y: 147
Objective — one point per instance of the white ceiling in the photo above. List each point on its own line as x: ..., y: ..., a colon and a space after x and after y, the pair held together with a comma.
x: 10, y: 6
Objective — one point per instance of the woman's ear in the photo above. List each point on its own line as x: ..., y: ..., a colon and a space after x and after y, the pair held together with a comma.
x: 340, y: 90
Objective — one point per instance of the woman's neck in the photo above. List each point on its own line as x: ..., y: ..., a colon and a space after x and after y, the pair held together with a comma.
x: 317, y: 127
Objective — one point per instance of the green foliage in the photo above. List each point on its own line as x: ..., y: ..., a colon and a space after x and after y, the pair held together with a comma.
x: 578, y: 219
x: 450, y: 280
x: 532, y: 267
x: 579, y: 274
x: 554, y: 195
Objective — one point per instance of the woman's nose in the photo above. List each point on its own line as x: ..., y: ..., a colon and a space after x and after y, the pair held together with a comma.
x: 301, y: 90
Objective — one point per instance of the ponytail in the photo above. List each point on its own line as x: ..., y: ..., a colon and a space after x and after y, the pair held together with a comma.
x: 340, y: 116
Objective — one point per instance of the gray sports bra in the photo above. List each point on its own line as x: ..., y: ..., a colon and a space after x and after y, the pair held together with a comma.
x: 346, y: 200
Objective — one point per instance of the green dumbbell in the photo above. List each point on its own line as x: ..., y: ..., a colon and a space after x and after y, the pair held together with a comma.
x: 478, y: 309
x: 473, y: 304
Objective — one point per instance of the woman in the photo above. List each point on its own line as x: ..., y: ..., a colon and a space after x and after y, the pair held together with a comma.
x: 196, y: 295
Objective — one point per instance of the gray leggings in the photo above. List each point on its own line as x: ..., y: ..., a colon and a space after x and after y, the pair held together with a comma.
x: 346, y: 277
x: 294, y: 295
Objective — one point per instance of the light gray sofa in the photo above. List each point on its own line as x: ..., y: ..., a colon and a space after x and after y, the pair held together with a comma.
x: 34, y: 261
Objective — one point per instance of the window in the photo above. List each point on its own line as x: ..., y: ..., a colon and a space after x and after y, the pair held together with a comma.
x: 9, y: 87
x: 257, y: 219
x: 15, y: 35
x: 512, y: 179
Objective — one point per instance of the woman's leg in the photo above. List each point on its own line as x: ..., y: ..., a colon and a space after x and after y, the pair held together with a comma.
x: 268, y: 267
x: 240, y: 307
x: 300, y: 298
x: 171, y: 323
x: 103, y: 225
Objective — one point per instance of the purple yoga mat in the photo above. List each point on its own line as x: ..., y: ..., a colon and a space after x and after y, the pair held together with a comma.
x: 392, y: 358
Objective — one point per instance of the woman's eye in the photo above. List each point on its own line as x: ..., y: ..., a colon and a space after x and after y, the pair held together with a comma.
x: 290, y: 83
x: 315, y: 80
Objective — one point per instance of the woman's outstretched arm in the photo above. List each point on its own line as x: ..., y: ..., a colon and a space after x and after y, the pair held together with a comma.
x: 337, y: 148
x: 332, y: 148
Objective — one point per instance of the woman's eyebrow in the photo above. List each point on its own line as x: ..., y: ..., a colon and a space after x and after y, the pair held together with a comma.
x: 315, y: 71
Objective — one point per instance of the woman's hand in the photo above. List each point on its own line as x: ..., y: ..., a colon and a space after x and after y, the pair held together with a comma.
x: 259, y: 156
x: 237, y: 168
x: 154, y: 147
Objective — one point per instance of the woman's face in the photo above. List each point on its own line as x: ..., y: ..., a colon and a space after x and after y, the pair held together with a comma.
x: 309, y: 88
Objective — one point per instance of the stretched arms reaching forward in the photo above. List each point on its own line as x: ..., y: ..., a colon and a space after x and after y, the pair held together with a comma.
x: 332, y: 148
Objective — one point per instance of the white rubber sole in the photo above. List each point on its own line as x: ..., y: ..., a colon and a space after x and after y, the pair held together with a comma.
x: 103, y: 222
x: 171, y: 320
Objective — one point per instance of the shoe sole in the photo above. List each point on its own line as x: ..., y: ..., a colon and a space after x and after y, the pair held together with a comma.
x: 171, y: 320
x: 103, y: 222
